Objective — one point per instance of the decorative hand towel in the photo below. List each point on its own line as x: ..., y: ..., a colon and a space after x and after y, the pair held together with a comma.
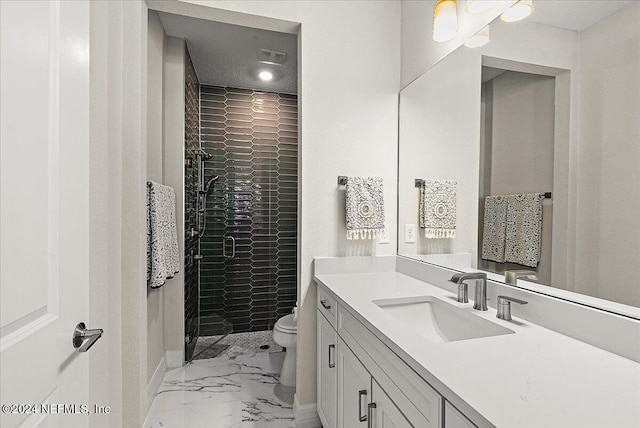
x: 163, y: 260
x: 365, y: 207
x: 438, y: 203
x: 524, y: 228
x: 495, y: 228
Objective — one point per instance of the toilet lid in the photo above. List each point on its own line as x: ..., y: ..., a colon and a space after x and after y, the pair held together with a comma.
x: 286, y: 324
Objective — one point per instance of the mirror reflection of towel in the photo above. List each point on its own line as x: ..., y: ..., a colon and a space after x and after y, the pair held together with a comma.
x: 524, y: 229
x: 513, y: 229
x: 495, y: 228
x: 438, y: 205
x: 365, y: 207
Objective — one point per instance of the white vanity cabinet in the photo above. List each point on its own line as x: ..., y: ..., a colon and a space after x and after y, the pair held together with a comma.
x: 362, y: 383
x: 327, y: 373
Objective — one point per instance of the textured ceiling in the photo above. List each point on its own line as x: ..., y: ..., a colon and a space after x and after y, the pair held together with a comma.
x: 228, y: 55
x: 575, y: 15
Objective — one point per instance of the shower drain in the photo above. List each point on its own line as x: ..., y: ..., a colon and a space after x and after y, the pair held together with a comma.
x: 265, y: 347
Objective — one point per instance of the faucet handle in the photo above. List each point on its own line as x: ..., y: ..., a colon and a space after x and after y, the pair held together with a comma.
x: 504, y: 307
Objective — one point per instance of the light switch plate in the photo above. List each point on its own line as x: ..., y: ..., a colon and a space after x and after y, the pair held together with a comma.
x: 383, y: 238
x: 410, y: 233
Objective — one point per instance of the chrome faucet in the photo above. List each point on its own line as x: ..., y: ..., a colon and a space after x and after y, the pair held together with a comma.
x: 480, y: 300
x: 511, y: 276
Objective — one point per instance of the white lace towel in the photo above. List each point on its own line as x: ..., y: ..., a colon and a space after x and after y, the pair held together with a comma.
x: 163, y: 259
x: 438, y: 204
x: 495, y: 228
x: 524, y: 229
x: 365, y: 207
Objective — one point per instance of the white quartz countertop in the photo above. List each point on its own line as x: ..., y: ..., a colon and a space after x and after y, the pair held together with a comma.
x: 534, y: 378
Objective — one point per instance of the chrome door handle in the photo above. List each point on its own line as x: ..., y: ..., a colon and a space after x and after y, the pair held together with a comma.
x: 369, y: 416
x: 331, y: 365
x: 361, y: 393
x: 324, y: 304
x: 82, y: 333
x: 233, y: 247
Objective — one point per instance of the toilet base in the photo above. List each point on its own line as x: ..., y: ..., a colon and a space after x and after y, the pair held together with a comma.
x: 288, y: 372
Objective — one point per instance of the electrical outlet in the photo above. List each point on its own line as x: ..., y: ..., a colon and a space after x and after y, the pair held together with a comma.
x: 383, y: 238
x: 410, y: 233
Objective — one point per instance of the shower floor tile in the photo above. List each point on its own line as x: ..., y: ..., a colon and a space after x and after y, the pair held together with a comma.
x: 238, y: 392
x: 234, y: 345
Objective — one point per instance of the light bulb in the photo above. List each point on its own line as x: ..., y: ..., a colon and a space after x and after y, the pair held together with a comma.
x: 445, y: 20
x: 265, y: 75
x: 478, y: 7
x: 518, y: 11
x: 481, y: 38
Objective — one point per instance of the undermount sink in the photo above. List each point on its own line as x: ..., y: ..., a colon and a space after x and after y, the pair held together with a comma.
x: 438, y: 321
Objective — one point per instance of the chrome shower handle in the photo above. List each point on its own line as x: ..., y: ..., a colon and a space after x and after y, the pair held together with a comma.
x: 233, y: 247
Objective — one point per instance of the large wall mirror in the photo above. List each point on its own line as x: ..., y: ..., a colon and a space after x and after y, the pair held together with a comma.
x: 524, y: 155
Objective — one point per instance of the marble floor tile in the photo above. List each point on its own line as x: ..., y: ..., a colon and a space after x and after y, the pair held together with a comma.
x: 236, y: 392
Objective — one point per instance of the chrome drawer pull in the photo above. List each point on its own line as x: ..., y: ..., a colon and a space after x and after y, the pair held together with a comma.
x: 369, y: 416
x: 361, y: 393
x: 331, y: 365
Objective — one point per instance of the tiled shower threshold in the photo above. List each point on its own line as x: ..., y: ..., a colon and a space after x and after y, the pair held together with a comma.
x: 236, y: 344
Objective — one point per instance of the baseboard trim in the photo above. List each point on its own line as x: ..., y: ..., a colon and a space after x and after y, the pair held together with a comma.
x: 306, y: 415
x: 156, y: 380
x: 174, y: 359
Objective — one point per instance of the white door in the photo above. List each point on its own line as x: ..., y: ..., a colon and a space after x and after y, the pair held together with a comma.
x: 44, y: 211
x: 354, y: 389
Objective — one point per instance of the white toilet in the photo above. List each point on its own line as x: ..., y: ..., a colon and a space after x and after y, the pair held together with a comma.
x: 285, y: 334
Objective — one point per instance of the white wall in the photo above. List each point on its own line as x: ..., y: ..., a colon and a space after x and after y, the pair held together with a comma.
x: 350, y: 77
x: 155, y: 297
x: 419, y: 51
x: 173, y: 176
x: 608, y: 173
x: 118, y: 222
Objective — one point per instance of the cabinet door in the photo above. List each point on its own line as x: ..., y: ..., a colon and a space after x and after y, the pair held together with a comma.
x: 354, y: 389
x: 454, y: 419
x: 384, y: 412
x: 327, y: 372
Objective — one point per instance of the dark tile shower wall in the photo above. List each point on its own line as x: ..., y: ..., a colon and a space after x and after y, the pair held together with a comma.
x: 254, y: 139
x: 192, y: 137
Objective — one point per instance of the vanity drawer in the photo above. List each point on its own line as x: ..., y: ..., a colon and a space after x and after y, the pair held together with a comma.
x: 328, y: 306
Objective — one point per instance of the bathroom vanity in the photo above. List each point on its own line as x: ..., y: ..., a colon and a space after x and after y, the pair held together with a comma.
x: 395, y: 348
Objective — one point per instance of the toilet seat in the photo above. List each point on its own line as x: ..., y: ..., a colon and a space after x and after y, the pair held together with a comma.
x: 286, y: 324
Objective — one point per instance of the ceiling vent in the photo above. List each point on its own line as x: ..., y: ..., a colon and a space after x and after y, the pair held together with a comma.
x: 267, y: 56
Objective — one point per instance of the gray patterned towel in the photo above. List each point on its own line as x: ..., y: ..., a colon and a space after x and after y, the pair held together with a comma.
x: 365, y: 207
x: 438, y: 204
x: 495, y: 228
x: 163, y: 259
x: 524, y: 229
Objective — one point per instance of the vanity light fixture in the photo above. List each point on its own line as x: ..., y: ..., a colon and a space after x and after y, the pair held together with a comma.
x: 445, y: 20
x: 478, y: 7
x: 481, y: 38
x: 518, y: 11
x: 265, y: 75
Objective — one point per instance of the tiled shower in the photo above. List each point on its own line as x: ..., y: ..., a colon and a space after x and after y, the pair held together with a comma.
x: 247, y: 256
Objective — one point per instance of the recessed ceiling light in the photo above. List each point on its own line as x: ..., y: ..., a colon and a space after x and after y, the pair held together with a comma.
x: 265, y: 75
